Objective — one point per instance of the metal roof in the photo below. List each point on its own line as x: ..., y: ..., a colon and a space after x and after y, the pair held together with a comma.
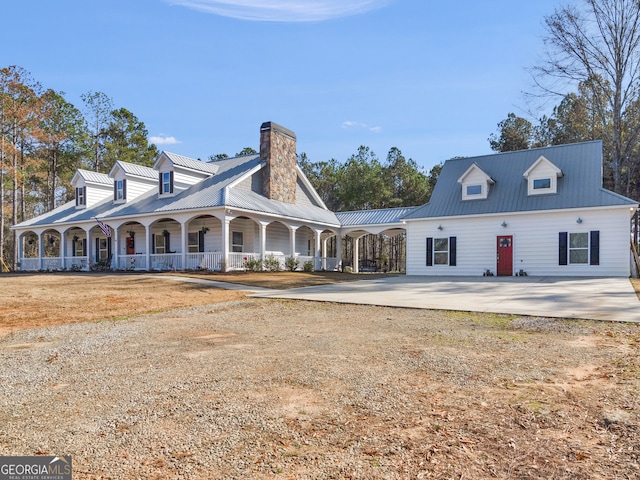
x: 579, y: 187
x: 94, y: 177
x: 373, y: 217
x: 192, y: 164
x: 137, y: 170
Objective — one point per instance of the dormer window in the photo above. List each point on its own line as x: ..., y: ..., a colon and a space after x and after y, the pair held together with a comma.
x: 81, y: 197
x: 119, y: 190
x: 541, y: 183
x: 475, y: 183
x: 166, y: 183
x: 474, y: 190
x: 542, y: 177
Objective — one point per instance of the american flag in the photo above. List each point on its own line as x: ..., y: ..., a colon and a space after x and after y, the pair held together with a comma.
x: 105, y: 229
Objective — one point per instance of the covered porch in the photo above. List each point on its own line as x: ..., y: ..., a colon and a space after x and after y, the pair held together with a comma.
x: 213, y: 242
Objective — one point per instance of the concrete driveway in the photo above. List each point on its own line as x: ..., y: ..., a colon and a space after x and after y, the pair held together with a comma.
x: 588, y: 298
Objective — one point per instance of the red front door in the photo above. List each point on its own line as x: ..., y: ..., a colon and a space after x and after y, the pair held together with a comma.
x: 131, y: 246
x: 505, y: 256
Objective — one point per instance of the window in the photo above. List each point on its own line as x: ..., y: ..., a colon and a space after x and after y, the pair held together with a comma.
x: 237, y: 241
x: 441, y: 251
x: 159, y: 243
x: 119, y: 190
x: 194, y: 244
x: 578, y: 248
x: 79, y: 248
x: 81, y: 196
x: 474, y: 190
x: 103, y: 249
x: 165, y: 184
x: 541, y: 183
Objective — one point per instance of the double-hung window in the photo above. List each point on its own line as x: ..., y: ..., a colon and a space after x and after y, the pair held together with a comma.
x: 441, y: 251
x: 579, y: 248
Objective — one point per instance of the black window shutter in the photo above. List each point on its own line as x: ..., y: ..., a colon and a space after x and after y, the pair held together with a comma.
x: 153, y: 243
x: 77, y: 199
x: 167, y: 247
x: 562, y: 248
x: 594, y: 253
x: 73, y: 248
x: 452, y: 251
x: 84, y: 247
x: 108, y: 247
x: 201, y: 241
x: 115, y: 190
x: 171, y: 180
x: 124, y: 189
x: 97, y: 249
x: 429, y: 251
x: 159, y: 183
x: 84, y: 195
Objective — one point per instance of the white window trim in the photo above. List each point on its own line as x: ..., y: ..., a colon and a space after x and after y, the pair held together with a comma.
x: 435, y: 252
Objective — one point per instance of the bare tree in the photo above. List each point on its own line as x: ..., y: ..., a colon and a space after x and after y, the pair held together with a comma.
x: 599, y: 45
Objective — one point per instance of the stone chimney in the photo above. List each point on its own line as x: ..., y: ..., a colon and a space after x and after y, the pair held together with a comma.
x: 278, y: 150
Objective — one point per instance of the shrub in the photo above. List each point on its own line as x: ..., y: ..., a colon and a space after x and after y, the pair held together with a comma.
x: 253, y: 265
x: 292, y: 263
x: 307, y: 266
x: 271, y: 264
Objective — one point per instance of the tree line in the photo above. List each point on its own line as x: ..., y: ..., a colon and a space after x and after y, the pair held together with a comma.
x: 44, y: 139
x: 592, y: 50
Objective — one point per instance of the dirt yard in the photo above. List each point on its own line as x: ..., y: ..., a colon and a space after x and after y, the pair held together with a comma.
x: 140, y: 377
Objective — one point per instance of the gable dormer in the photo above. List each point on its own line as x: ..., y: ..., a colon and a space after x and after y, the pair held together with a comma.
x: 91, y: 187
x: 475, y: 183
x: 542, y: 177
x: 177, y: 172
x: 131, y: 181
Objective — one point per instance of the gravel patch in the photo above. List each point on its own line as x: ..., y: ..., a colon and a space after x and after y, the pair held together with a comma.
x: 287, y: 389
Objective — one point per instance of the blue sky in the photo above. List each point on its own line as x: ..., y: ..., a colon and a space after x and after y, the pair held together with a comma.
x: 431, y: 78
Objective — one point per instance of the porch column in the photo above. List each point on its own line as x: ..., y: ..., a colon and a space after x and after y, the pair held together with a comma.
x: 63, y: 248
x: 339, y: 251
x: 356, y: 256
x: 225, y: 242
x: 323, y: 254
x: 263, y: 240
x: 90, y: 255
x: 147, y: 250
x: 292, y: 239
x: 40, y: 249
x: 184, y: 229
x: 21, y: 238
x: 318, y: 253
x: 115, y: 263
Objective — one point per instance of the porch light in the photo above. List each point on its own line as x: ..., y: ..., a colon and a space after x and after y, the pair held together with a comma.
x: 503, y: 224
x: 579, y: 220
x: 440, y: 227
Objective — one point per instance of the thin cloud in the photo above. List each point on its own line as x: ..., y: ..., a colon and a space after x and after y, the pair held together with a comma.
x: 164, y: 140
x: 349, y: 124
x: 282, y: 10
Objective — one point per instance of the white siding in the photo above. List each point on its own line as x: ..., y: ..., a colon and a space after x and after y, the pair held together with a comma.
x: 278, y: 239
x: 303, y: 235
x: 535, y: 242
x: 475, y: 177
x: 96, y: 193
x: 183, y: 179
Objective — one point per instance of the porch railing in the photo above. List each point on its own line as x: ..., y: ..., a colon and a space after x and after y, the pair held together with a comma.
x: 76, y: 263
x: 52, y: 263
x: 132, y: 262
x: 166, y: 261
x: 30, y: 264
x: 204, y: 261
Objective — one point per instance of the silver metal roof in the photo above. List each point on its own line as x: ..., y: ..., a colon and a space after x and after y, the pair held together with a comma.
x: 137, y: 170
x: 373, y: 217
x: 192, y: 164
x: 94, y: 177
x: 579, y: 187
